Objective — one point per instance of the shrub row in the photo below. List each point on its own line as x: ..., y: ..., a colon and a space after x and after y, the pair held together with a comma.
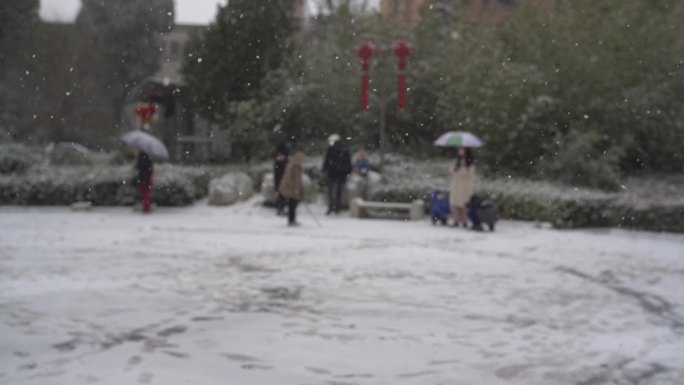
x: 104, y: 186
x: 563, y: 208
x: 517, y: 199
x: 16, y: 158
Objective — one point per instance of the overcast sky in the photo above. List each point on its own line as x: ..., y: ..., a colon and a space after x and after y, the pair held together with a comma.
x: 187, y: 11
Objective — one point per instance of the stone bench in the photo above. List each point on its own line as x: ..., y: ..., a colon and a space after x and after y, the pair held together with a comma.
x: 416, y: 209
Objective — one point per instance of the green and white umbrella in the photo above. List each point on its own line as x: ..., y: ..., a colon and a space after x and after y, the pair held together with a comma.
x: 459, y: 139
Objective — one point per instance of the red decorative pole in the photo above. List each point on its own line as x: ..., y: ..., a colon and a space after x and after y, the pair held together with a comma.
x: 402, y: 50
x: 365, y: 51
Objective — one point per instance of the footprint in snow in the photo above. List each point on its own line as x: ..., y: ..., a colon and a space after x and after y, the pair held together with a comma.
x: 239, y: 357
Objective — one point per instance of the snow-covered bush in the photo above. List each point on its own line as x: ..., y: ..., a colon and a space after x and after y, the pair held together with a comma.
x: 104, y: 186
x: 16, y: 158
x: 565, y: 207
x: 179, y: 186
x: 68, y: 153
x: 580, y: 161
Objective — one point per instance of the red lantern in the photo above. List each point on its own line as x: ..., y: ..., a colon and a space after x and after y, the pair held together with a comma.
x: 145, y: 112
x: 365, y: 51
x: 402, y: 50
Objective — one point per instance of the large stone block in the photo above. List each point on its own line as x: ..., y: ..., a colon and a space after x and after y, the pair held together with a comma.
x: 230, y: 189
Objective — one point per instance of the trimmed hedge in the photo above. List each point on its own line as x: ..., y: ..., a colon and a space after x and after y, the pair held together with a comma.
x: 639, y: 207
x: 103, y: 186
x: 17, y: 158
x: 562, y: 207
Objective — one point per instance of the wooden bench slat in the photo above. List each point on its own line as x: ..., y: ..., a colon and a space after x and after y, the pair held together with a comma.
x: 358, y: 207
x: 385, y: 205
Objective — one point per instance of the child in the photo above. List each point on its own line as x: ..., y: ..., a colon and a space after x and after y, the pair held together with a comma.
x: 439, y: 207
x: 361, y: 163
x: 291, y: 186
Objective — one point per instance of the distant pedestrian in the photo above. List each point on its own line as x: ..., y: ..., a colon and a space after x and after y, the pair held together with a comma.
x: 291, y: 186
x: 144, y: 180
x: 282, y: 156
x: 336, y: 168
x: 462, y: 185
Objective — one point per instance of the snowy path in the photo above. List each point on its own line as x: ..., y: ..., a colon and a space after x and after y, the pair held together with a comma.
x: 231, y: 296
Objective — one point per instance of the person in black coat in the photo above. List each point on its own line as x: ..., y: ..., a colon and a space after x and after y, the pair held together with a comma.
x: 336, y: 167
x: 144, y: 180
x: 282, y: 157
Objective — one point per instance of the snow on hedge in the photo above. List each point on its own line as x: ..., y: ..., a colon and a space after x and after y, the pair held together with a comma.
x: 102, y: 185
x: 654, y: 203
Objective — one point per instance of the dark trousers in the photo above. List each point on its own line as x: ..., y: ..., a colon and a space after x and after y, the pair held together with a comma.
x: 146, y: 197
x: 292, y: 210
x: 335, y: 188
x: 281, y: 201
x: 474, y: 218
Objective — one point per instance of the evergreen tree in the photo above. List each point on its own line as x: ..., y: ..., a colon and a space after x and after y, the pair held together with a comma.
x: 17, y: 18
x: 126, y: 36
x: 228, y: 63
x: 579, y: 90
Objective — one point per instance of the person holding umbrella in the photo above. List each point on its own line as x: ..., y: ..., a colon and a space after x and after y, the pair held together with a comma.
x: 462, y: 185
x: 148, y: 148
x: 291, y: 186
x: 144, y: 180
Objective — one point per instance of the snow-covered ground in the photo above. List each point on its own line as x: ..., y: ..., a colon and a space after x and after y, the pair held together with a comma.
x: 205, y: 295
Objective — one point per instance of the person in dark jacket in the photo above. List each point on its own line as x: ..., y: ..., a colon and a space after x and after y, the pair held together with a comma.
x: 336, y: 167
x: 144, y: 180
x: 280, y: 163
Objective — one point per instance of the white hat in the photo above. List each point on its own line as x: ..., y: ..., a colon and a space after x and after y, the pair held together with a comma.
x: 333, y: 138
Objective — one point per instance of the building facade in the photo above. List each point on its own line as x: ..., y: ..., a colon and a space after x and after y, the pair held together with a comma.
x: 404, y: 12
x: 173, y: 44
x: 407, y: 12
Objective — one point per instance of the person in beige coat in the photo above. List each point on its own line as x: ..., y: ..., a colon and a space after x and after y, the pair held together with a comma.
x: 291, y: 186
x: 462, y: 185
